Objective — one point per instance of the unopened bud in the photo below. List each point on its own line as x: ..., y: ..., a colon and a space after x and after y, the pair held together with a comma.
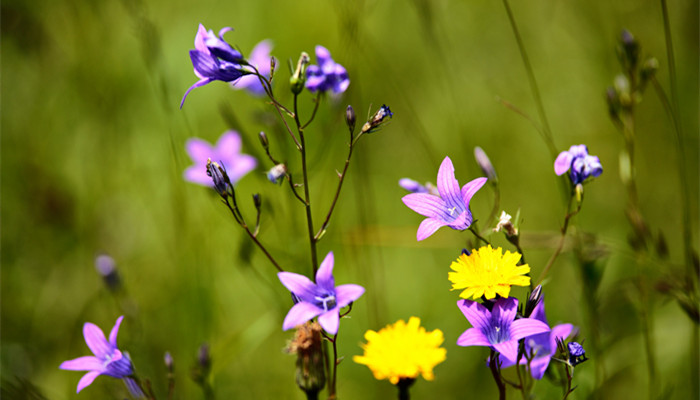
x: 298, y: 78
x: 485, y: 164
x: 107, y: 268
x: 219, y: 177
x: 649, y: 68
x: 532, y: 301
x: 577, y: 354
x: 273, y: 66
x: 263, y: 140
x: 276, y: 173
x: 579, y: 192
x: 307, y: 345
x: 622, y: 87
x: 257, y: 201
x: 625, y: 168
x: 168, y: 360
x: 350, y: 118
x: 613, y: 102
x: 628, y: 50
x: 201, y: 370
x: 377, y: 119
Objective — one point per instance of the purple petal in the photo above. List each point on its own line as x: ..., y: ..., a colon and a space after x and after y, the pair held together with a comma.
x: 115, y: 331
x: 427, y: 205
x: 329, y: 321
x: 87, y: 363
x: 198, y: 174
x: 199, y: 83
x: 96, y: 341
x: 448, y: 187
x: 539, y: 365
x: 504, y: 311
x: 228, y: 146
x: 462, y: 221
x: 300, y: 313
x: 527, y: 327
x: 346, y: 294
x: 299, y: 285
x: 260, y: 56
x: 200, y: 39
x: 199, y: 151
x: 561, y: 331
x: 473, y: 337
x: 241, y: 166
x: 470, y: 189
x: 87, y: 379
x: 477, y: 315
x: 428, y: 227
x: 412, y: 186
x: 563, y: 162
x: 508, y: 350
x: 538, y: 312
x: 322, y: 55
x: 324, y: 275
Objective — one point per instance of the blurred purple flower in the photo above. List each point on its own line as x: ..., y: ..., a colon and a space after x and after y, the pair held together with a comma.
x: 497, y: 329
x: 107, y: 360
x: 321, y: 299
x: 542, y: 345
x: 327, y: 75
x: 214, y: 60
x: 226, y: 152
x: 450, y: 208
x: 579, y: 164
x: 260, y: 59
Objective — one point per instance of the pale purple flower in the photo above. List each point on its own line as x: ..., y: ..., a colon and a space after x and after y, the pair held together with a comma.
x: 226, y: 152
x: 542, y: 345
x: 412, y: 186
x: 214, y: 60
x: 327, y: 75
x: 321, y: 299
x: 107, y: 360
x: 497, y: 329
x: 260, y: 59
x: 579, y: 164
x: 450, y: 208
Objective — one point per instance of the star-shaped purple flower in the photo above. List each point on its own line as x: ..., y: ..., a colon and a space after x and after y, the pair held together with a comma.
x: 107, y: 360
x: 226, y: 152
x: 498, y: 329
x: 327, y: 75
x: 321, y: 299
x: 260, y: 59
x: 542, y: 345
x: 450, y: 208
x: 579, y: 164
x: 214, y: 60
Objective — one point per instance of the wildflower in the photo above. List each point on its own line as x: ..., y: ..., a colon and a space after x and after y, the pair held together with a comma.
x: 350, y: 118
x: 214, y: 60
x: 226, y: 152
x: 413, y: 186
x: 402, y: 351
x: 450, y: 208
x: 579, y: 164
x: 487, y: 272
x: 485, y: 164
x: 321, y: 299
x: 218, y: 175
x: 542, y: 346
x: 260, y: 59
x: 327, y: 75
x: 377, y: 119
x: 497, y: 329
x: 506, y: 225
x: 577, y: 354
x: 107, y: 268
x: 107, y: 360
x: 276, y: 173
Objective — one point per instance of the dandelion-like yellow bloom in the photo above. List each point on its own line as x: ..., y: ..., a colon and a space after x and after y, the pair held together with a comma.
x: 402, y: 350
x: 488, y: 272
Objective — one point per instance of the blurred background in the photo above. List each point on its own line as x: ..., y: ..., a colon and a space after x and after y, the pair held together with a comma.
x: 93, y: 156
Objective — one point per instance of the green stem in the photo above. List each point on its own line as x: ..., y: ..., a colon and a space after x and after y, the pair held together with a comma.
x: 496, y: 373
x: 562, y: 238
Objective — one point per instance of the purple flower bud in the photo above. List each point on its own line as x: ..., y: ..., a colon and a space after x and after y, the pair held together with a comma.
x: 107, y: 268
x: 377, y: 119
x: 276, y: 173
x: 350, y: 118
x: 577, y: 354
x: 485, y: 164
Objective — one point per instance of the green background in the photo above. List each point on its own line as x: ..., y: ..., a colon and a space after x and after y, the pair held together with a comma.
x: 93, y: 154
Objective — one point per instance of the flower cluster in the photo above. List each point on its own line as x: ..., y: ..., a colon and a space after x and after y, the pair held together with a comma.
x: 580, y: 165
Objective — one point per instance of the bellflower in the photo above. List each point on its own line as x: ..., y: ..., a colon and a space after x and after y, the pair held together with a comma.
x: 542, y: 346
x: 327, y: 75
x: 497, y: 329
x: 321, y: 299
x: 450, y: 208
x: 107, y: 360
x: 579, y: 164
x: 260, y: 59
x: 226, y: 151
x: 214, y: 60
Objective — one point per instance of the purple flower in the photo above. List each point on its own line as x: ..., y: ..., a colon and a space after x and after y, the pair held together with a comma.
x: 579, y: 164
x: 542, y: 345
x: 327, y: 75
x: 260, y: 59
x: 497, y: 329
x: 107, y: 360
x: 226, y: 152
x: 214, y: 60
x: 321, y: 299
x: 450, y: 208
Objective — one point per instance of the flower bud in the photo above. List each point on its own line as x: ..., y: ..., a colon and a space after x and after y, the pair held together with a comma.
x: 263, y: 140
x: 377, y: 119
x: 350, y: 118
x: 628, y: 50
x: 649, y: 68
x: 273, y: 66
x: 297, y: 80
x: 219, y: 176
x: 577, y: 354
x: 485, y: 164
x: 168, y: 360
x: 307, y: 345
x: 203, y: 357
x: 257, y: 201
x: 625, y: 168
x: 622, y: 87
x: 107, y: 268
x: 276, y: 173
x: 532, y: 301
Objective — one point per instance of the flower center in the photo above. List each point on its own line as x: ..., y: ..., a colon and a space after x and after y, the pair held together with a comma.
x: 327, y: 302
x: 497, y: 334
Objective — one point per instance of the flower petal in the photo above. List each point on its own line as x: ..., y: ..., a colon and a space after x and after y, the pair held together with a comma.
x: 96, y: 341
x: 562, y: 332
x: 473, y: 337
x: 330, y: 320
x: 198, y: 174
x: 538, y: 312
x: 504, y: 311
x: 86, y: 363
x: 427, y: 205
x: 300, y: 313
x: 563, y: 162
x: 228, y: 146
x: 324, y: 275
x: 508, y: 350
x: 241, y: 166
x: 200, y: 39
x: 200, y: 151
x: 477, y: 315
x: 539, y: 365
x: 428, y: 227
x: 448, y: 187
x: 115, y: 331
x: 346, y: 294
x: 87, y: 379
x: 199, y: 83
x: 470, y: 189
x: 298, y: 284
x: 527, y: 327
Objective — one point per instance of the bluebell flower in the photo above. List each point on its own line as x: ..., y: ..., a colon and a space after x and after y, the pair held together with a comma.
x: 214, y: 60
x: 327, y: 75
x: 579, y: 164
x: 260, y: 59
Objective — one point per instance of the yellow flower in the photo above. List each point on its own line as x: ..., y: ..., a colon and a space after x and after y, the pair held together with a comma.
x: 402, y: 350
x: 487, y: 272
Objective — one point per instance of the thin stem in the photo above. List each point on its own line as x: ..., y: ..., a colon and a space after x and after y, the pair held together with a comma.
x: 279, y: 107
x: 496, y: 372
x: 562, y: 239
x: 239, y: 218
x: 496, y: 206
x: 334, y: 378
x: 547, y: 132
x: 313, y: 113
x: 478, y: 236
